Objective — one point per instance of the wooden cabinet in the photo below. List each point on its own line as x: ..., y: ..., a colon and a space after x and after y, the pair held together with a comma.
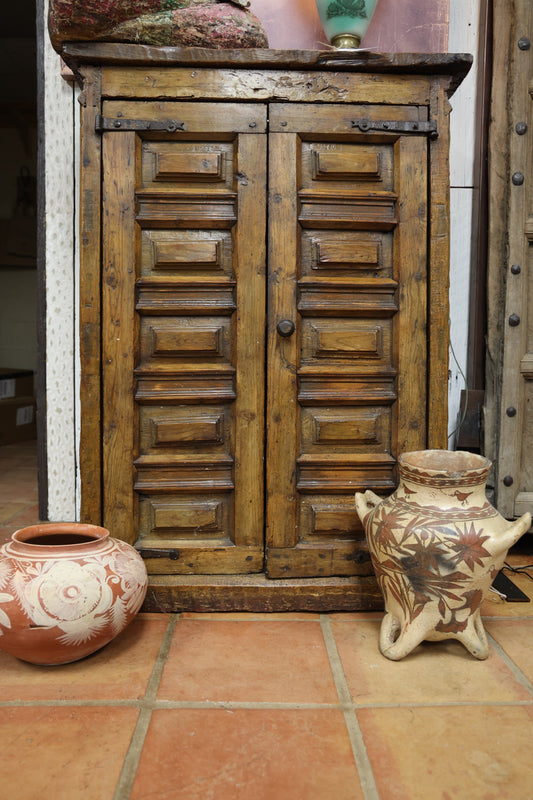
x: 264, y: 254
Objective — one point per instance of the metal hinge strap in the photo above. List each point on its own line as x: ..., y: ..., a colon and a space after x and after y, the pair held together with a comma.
x: 428, y: 128
x: 120, y: 124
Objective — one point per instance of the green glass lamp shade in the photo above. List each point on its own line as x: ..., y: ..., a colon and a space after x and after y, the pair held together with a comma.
x: 345, y: 22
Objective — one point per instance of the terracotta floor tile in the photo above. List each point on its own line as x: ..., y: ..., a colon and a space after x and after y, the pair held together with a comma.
x: 119, y: 671
x: 23, y: 491
x: 63, y: 753
x: 28, y: 516
x: 9, y: 510
x: 215, y: 754
x: 6, y: 531
x: 454, y: 753
x: 437, y: 672
x: 222, y: 660
x: 516, y: 638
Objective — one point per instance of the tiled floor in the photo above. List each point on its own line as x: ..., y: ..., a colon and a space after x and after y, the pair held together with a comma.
x: 267, y: 707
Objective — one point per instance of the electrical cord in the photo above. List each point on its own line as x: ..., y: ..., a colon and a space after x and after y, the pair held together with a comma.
x: 521, y: 569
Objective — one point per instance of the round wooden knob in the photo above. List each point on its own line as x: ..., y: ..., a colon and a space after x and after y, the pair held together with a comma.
x: 286, y: 327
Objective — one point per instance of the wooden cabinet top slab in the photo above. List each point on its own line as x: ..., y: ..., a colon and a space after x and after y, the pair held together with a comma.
x: 454, y: 65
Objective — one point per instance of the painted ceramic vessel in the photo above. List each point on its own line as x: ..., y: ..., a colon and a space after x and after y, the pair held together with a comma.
x: 345, y: 22
x: 436, y: 545
x: 66, y: 590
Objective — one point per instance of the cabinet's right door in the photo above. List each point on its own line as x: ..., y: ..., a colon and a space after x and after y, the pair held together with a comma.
x: 347, y: 387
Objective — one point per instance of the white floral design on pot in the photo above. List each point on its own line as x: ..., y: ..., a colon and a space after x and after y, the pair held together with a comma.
x: 72, y: 596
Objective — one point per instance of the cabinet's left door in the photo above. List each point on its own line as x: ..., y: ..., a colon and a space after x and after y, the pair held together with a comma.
x: 183, y: 320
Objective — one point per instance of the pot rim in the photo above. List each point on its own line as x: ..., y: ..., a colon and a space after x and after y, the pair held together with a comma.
x: 447, y: 464
x: 94, y: 533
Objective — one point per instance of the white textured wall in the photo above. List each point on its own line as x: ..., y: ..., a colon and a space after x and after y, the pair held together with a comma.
x: 60, y: 343
x: 463, y: 38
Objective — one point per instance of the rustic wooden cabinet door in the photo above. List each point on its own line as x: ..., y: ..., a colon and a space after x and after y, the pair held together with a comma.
x: 187, y: 311
x: 347, y: 341
x: 263, y: 309
x: 183, y: 289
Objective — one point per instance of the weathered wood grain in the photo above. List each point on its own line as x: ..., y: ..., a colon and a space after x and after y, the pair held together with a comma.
x: 355, y: 222
x: 90, y: 305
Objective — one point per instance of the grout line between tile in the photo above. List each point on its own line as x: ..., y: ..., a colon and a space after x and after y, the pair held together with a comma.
x: 235, y: 704
x: 362, y: 762
x: 131, y: 761
x: 517, y: 672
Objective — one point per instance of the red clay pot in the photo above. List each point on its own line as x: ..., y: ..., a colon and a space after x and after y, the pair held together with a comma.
x: 66, y: 590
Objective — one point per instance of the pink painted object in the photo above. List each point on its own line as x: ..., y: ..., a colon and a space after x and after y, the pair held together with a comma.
x: 163, y: 23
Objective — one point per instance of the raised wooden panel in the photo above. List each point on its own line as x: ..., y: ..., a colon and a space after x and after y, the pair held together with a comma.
x: 346, y: 339
x: 342, y: 166
x: 169, y: 255
x: 178, y: 339
x: 326, y: 517
x: 357, y: 253
x: 347, y: 164
x: 185, y: 252
x: 346, y: 429
x: 171, y: 517
x: 185, y: 343
x: 187, y: 163
x: 183, y: 427
x: 188, y: 167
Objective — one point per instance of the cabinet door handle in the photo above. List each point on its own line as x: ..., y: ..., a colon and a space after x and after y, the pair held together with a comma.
x: 286, y: 327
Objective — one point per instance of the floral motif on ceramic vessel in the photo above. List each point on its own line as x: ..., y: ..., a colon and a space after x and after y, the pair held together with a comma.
x: 347, y: 8
x: 432, y: 557
x: 77, y: 596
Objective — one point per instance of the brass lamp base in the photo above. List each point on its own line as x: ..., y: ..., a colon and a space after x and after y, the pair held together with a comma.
x: 346, y: 41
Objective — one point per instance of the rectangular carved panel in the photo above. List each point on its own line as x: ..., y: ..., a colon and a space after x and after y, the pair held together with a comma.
x: 186, y: 163
x: 329, y: 517
x: 346, y: 339
x: 344, y: 429
x: 357, y: 253
x: 347, y: 165
x: 168, y: 255
x: 343, y: 166
x: 182, y: 342
x: 177, y: 339
x: 344, y: 255
x: 185, y: 253
x: 193, y: 428
x: 188, y: 517
x: 188, y: 166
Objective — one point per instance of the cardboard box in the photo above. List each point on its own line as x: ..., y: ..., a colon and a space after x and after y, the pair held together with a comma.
x: 15, y: 383
x: 17, y: 420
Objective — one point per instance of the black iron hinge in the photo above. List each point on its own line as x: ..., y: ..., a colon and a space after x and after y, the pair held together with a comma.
x: 428, y: 128
x: 103, y: 124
